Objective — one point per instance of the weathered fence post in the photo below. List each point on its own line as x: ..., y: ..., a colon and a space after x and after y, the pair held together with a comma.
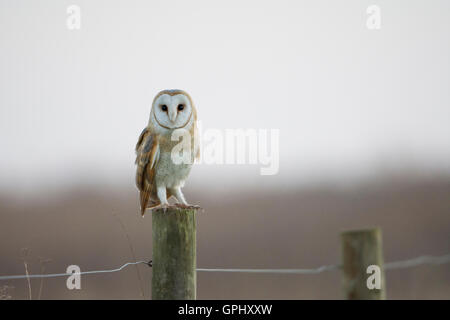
x: 361, y: 249
x: 174, y: 254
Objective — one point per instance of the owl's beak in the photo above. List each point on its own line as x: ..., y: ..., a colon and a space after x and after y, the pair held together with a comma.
x: 172, y: 115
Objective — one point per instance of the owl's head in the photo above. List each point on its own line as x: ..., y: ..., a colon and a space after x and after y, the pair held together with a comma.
x: 172, y: 109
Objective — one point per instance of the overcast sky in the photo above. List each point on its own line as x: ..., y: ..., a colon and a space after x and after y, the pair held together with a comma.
x: 346, y: 99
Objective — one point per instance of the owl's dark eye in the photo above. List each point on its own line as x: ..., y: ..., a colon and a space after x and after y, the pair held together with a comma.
x: 164, y: 107
x: 180, y: 107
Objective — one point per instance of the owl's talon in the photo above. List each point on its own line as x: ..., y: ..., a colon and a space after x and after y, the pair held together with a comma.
x: 164, y: 208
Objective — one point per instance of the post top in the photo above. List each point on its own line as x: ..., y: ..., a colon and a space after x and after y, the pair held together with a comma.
x: 373, y: 230
x: 177, y: 208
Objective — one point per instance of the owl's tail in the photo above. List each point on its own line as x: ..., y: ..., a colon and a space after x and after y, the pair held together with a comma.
x: 148, y: 205
x: 146, y: 191
x: 145, y: 195
x: 145, y: 198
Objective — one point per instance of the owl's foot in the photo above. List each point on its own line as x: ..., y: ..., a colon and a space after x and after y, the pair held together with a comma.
x: 164, y: 207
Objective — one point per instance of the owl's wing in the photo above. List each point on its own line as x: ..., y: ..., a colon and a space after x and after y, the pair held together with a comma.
x: 147, y: 154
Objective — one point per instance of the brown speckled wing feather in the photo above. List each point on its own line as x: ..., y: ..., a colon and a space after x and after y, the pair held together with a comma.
x: 147, y: 153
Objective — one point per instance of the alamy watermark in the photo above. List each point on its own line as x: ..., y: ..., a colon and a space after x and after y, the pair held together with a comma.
x: 74, y: 280
x: 73, y: 21
x: 230, y: 146
x: 373, y: 21
x: 374, y: 280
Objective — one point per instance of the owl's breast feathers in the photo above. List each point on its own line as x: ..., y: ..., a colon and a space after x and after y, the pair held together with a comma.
x: 147, y: 153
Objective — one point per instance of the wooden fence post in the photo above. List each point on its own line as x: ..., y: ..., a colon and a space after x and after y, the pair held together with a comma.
x: 174, y: 254
x: 361, y: 249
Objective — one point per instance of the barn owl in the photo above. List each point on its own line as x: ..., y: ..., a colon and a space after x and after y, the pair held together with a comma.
x: 158, y: 176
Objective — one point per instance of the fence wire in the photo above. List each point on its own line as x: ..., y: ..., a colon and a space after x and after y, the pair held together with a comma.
x: 433, y: 260
x: 54, y: 275
x: 280, y: 271
x: 422, y: 260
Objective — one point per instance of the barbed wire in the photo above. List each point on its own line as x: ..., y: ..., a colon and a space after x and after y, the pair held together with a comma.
x: 422, y: 260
